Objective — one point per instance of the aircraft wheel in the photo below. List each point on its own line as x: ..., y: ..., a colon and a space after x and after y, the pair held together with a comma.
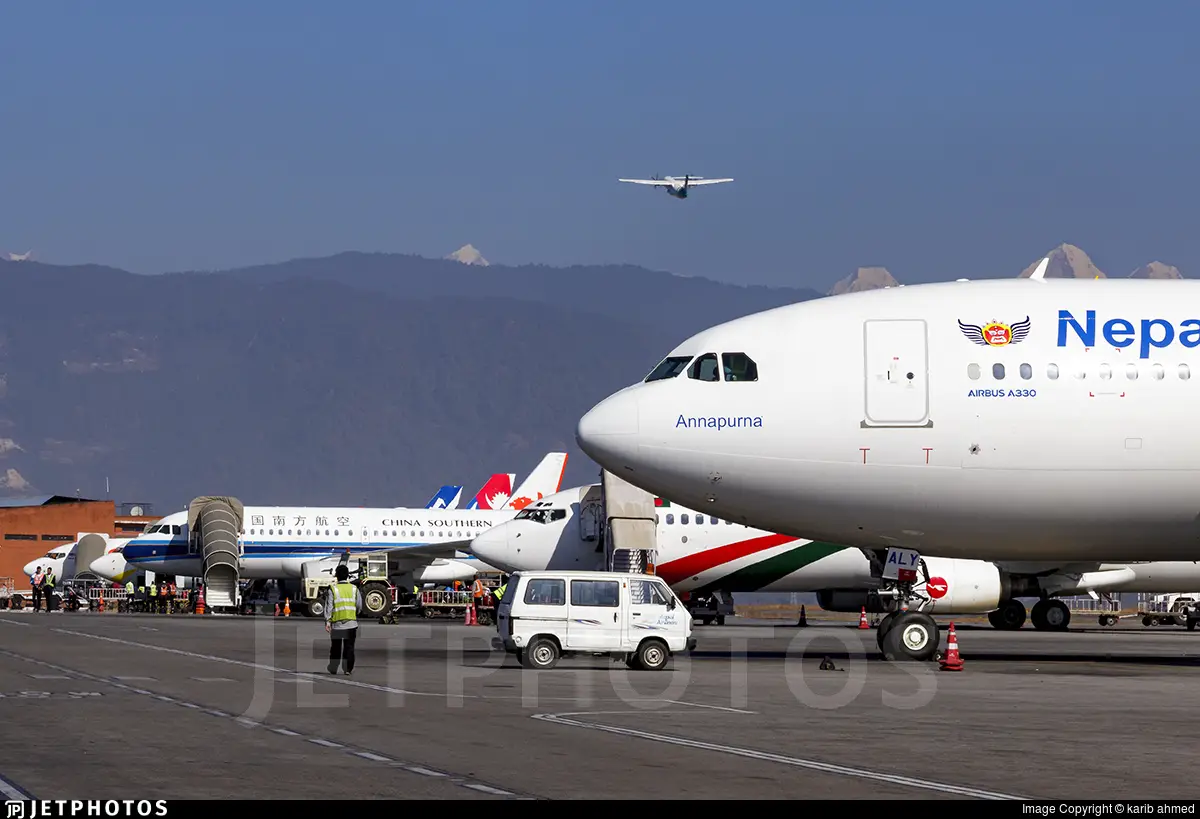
x: 720, y: 619
x: 885, y: 625
x: 913, y: 637
x: 1050, y: 615
x: 1010, y: 616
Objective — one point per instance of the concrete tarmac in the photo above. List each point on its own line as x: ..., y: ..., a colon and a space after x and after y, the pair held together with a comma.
x: 110, y: 706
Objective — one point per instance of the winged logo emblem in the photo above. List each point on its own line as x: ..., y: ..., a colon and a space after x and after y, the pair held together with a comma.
x: 995, y: 333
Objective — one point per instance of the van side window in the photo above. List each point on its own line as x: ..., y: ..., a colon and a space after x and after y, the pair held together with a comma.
x: 605, y: 593
x: 546, y: 592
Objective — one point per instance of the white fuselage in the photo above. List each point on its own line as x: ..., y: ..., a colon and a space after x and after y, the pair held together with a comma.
x: 876, y: 420
x: 697, y: 553
x: 276, y: 542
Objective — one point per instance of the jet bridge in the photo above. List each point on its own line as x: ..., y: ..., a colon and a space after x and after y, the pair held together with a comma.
x: 214, y: 524
x: 630, y: 529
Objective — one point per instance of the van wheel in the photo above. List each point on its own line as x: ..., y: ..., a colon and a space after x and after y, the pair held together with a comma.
x: 632, y: 662
x: 541, y: 654
x: 652, y: 655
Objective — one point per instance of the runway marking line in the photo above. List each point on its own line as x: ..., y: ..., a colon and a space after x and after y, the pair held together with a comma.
x: 763, y: 756
x: 305, y: 675
x: 714, y: 707
x: 12, y: 791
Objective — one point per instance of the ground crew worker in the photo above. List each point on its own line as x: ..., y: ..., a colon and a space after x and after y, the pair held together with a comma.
x: 152, y: 593
x: 35, y: 583
x: 48, y: 589
x: 341, y: 621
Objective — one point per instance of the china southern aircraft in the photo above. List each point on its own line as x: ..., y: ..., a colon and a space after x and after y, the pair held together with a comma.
x: 698, y: 554
x: 275, y: 542
x: 676, y: 186
x: 1007, y: 420
x: 113, y: 565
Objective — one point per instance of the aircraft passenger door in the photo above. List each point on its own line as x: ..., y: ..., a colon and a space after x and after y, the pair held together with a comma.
x: 896, y: 359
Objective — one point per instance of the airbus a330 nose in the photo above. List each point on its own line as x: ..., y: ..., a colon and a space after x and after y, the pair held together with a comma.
x: 608, y: 433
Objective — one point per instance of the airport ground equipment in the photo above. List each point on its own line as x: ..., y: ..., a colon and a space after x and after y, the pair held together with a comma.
x: 1179, y: 609
x: 710, y: 608
x: 368, y: 573
x: 9, y: 597
x: 214, y: 524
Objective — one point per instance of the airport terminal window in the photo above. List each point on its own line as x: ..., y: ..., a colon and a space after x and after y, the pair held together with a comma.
x: 1026, y: 371
x: 739, y: 367
x: 1184, y: 372
x: 605, y: 593
x: 1156, y: 371
x: 668, y: 368
x: 1131, y: 372
x: 973, y: 372
x: 543, y: 592
x: 998, y: 371
x: 25, y: 537
x: 705, y: 368
x: 1052, y: 371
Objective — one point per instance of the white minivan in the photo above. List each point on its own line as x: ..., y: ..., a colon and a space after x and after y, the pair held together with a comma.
x: 634, y: 617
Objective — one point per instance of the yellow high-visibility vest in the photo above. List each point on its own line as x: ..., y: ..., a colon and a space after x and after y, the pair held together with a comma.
x: 343, y: 603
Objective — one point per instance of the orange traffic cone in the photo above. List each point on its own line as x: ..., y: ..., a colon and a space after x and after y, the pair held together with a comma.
x: 200, y: 602
x: 467, y: 616
x: 100, y: 602
x: 803, y: 618
x: 952, y: 661
x: 287, y: 607
x: 862, y: 619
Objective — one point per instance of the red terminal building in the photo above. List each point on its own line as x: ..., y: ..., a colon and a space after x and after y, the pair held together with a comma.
x: 30, y: 527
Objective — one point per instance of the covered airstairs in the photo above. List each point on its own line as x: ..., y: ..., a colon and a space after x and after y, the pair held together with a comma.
x: 214, y: 524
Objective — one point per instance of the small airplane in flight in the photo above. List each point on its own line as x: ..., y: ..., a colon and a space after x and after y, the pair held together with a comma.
x: 676, y: 186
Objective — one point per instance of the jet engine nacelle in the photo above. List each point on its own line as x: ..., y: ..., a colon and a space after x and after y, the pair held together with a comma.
x: 444, y: 571
x: 954, y: 587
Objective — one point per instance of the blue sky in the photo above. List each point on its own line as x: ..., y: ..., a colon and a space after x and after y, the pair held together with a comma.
x: 937, y: 139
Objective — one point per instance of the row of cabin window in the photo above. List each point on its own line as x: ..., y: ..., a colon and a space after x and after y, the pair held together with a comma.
x: 735, y: 366
x: 351, y: 533
x: 1157, y: 372
x: 683, y: 518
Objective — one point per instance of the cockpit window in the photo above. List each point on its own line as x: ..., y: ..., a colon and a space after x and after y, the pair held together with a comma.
x: 669, y: 367
x: 739, y: 367
x: 541, y: 515
x: 705, y: 368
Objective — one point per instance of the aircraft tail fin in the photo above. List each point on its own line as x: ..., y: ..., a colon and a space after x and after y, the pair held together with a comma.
x: 495, y: 493
x: 445, y: 498
x: 545, y: 479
